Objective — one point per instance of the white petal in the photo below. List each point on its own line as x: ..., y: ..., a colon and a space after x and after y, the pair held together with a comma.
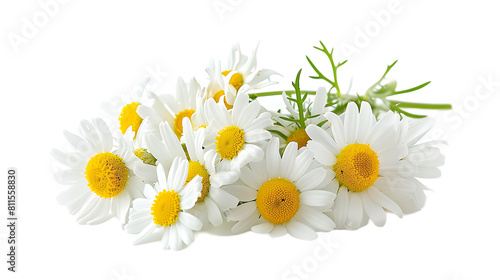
x: 316, y: 218
x: 341, y: 207
x: 149, y: 192
x: 301, y: 231
x: 311, y: 179
x: 351, y: 123
x: 190, y: 221
x: 144, y: 234
x: 365, y: 122
x: 243, y: 193
x: 214, y: 215
x: 382, y: 200
x: 223, y: 199
x: 141, y: 203
x: 248, y: 115
x: 355, y: 211
x: 190, y: 193
x: 278, y: 231
x: 304, y: 160
x: 186, y: 234
x: 242, y: 212
x: 261, y: 122
x: 246, y: 224
x: 257, y: 136
x: 317, y: 198
x: 249, y: 178
x: 263, y: 228
x: 337, y: 129
x: 273, y: 157
x: 318, y: 134
x: 287, y: 164
x: 319, y: 101
x: 189, y: 139
x: 373, y: 210
x: 175, y: 241
x: 321, y: 153
x: 177, y: 174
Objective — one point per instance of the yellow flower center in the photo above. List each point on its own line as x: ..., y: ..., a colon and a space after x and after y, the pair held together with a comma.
x: 145, y: 156
x: 106, y: 174
x: 196, y: 168
x: 229, y: 142
x: 300, y: 136
x: 278, y: 200
x: 178, y: 120
x: 357, y: 167
x: 166, y: 208
x: 129, y: 117
x: 217, y: 96
x: 236, y: 79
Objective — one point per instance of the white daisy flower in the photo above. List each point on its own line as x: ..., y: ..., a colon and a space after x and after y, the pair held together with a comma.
x: 99, y: 177
x: 234, y: 136
x: 221, y: 90
x: 240, y: 70
x: 363, y: 153
x: 290, y: 131
x: 123, y: 109
x: 163, y: 213
x: 213, y: 200
x: 188, y: 102
x: 283, y: 195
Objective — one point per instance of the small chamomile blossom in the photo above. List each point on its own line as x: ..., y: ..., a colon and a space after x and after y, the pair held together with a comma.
x: 363, y: 153
x: 162, y: 214
x: 213, y: 200
x: 99, y: 176
x: 122, y: 110
x: 290, y: 131
x: 234, y: 137
x: 282, y: 194
x: 239, y: 70
x: 187, y: 102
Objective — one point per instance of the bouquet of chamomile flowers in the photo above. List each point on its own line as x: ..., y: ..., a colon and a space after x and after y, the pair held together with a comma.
x: 167, y: 166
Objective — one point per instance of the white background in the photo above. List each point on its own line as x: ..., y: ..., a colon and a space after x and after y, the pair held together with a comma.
x: 86, y: 52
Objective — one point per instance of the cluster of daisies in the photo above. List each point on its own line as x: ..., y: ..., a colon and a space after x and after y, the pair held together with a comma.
x: 167, y: 166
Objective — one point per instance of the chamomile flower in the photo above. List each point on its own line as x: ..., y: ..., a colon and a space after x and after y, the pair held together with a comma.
x: 100, y: 179
x: 213, y: 200
x: 172, y: 109
x: 240, y: 70
x: 162, y: 213
x: 123, y: 109
x: 282, y: 195
x: 362, y: 152
x: 234, y: 137
x: 291, y: 131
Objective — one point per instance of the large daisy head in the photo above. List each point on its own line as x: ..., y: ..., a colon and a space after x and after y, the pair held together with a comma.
x: 99, y: 174
x: 162, y: 214
x: 363, y: 153
x: 283, y: 194
x: 235, y: 136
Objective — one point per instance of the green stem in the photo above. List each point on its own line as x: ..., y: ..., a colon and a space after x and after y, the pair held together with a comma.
x: 413, y: 105
x: 273, y: 93
x: 298, y: 97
